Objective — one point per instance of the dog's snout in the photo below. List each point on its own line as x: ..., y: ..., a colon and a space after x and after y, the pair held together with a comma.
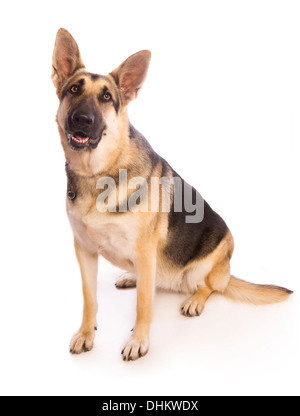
x: 85, y: 122
x: 81, y: 119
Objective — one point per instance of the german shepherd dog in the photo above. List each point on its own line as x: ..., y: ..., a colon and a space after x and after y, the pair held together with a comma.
x: 166, y: 248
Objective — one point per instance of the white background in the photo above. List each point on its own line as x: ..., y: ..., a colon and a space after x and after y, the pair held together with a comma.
x: 222, y: 105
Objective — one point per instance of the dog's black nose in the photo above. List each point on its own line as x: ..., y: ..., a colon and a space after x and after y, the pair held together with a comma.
x: 82, y: 120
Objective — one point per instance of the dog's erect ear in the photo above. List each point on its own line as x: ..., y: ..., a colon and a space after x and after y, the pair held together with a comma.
x: 131, y: 74
x: 66, y: 57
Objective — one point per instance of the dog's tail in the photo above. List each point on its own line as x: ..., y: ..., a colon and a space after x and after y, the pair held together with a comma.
x: 242, y: 291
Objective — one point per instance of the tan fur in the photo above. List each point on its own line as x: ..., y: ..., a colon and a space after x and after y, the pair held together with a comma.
x: 195, y: 304
x: 84, y: 338
x: 241, y: 291
x: 138, y: 344
x: 133, y: 241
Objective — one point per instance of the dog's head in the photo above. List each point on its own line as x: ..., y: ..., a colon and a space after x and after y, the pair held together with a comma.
x: 90, y: 104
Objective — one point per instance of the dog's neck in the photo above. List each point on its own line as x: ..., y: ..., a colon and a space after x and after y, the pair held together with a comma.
x: 113, y: 146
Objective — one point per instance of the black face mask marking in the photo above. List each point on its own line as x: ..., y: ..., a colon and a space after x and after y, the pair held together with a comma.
x: 84, y: 125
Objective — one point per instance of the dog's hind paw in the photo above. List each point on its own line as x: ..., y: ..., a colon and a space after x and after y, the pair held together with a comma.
x: 126, y: 280
x: 192, y: 307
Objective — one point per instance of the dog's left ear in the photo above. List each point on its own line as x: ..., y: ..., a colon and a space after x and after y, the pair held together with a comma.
x: 131, y: 74
x: 66, y: 57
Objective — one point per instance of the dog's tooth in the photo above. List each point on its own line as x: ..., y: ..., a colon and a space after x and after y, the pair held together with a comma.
x: 80, y: 140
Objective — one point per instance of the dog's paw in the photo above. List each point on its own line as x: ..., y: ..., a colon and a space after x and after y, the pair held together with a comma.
x: 192, y: 307
x: 135, y: 348
x: 126, y: 280
x: 82, y: 341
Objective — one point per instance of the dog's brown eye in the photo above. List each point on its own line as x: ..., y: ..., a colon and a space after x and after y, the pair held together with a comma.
x: 107, y: 96
x: 74, y: 89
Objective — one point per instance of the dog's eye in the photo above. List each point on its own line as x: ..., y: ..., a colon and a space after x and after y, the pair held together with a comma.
x: 74, y: 89
x: 107, y: 96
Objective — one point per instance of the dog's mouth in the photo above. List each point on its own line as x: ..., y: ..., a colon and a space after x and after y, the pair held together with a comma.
x: 80, y: 141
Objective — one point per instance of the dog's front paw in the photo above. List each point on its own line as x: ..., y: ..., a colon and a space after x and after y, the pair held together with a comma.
x: 135, y: 348
x: 82, y: 341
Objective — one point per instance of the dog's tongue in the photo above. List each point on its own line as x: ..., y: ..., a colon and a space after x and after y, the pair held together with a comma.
x: 80, y: 137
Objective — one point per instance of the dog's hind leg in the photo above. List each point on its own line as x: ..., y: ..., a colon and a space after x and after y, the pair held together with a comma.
x: 215, y: 281
x: 195, y: 304
x: 83, y: 340
x: 211, y: 274
x: 126, y: 280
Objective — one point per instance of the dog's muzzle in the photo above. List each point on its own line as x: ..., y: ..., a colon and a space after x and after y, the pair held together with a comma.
x: 84, y: 127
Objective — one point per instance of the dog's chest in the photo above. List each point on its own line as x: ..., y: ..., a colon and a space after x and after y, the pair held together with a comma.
x: 111, y: 235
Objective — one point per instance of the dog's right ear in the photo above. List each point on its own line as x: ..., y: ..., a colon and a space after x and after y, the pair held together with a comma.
x: 66, y: 57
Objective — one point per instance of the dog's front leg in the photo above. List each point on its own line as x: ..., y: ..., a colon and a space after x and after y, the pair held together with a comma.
x: 138, y: 345
x: 83, y: 340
